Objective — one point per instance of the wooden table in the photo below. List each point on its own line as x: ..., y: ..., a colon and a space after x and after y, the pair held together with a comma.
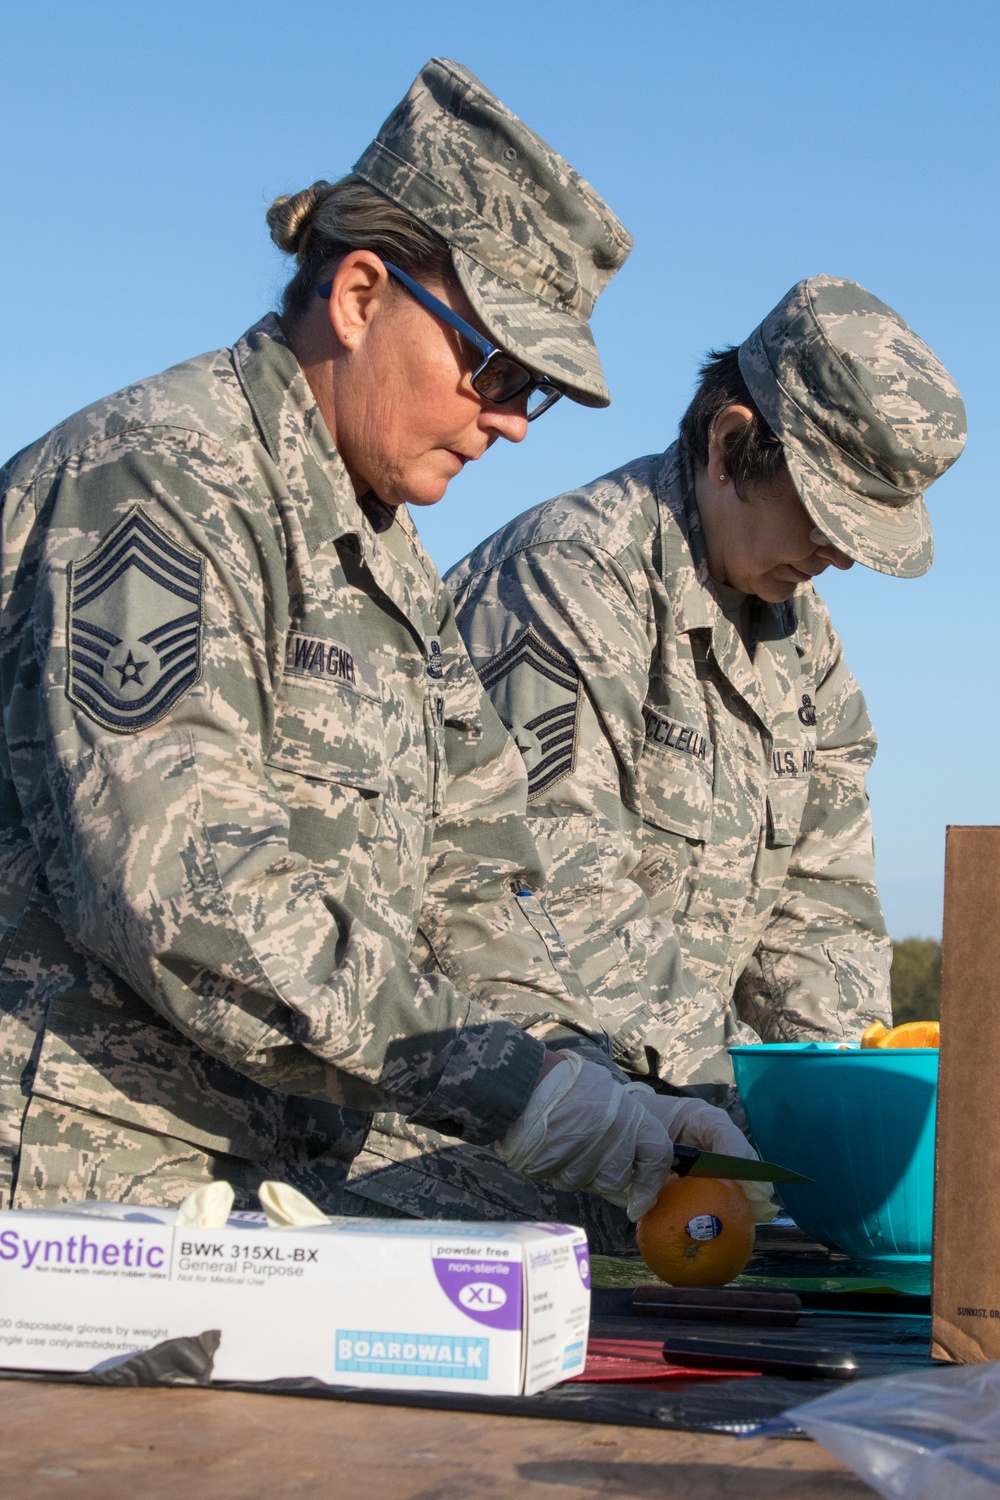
x: 86, y: 1443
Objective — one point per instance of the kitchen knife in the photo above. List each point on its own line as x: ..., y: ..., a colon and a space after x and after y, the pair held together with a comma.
x: 766, y: 1359
x: 690, y: 1162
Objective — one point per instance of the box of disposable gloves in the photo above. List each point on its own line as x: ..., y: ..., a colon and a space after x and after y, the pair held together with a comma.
x: 399, y: 1304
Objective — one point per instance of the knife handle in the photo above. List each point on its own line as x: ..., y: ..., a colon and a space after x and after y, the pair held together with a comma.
x: 717, y: 1305
x: 684, y: 1159
x: 763, y: 1359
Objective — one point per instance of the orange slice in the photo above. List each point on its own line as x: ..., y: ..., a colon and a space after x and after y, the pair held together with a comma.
x: 910, y: 1034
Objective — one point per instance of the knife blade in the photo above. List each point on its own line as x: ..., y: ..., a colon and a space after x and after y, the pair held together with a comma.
x: 768, y: 1359
x: 690, y: 1162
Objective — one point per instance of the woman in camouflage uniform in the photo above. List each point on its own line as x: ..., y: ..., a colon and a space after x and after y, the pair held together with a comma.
x: 695, y: 743
x: 263, y: 867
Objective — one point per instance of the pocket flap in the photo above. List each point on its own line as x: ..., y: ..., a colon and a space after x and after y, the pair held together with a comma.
x: 331, y: 736
x: 141, y: 1071
x: 786, y: 805
x: 675, y: 785
x: 462, y: 693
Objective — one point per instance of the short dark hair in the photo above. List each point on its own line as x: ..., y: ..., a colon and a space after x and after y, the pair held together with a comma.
x: 753, y: 455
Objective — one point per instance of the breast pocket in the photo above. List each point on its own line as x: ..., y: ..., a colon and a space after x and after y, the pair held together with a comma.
x: 453, y: 719
x: 461, y: 694
x: 675, y: 792
x: 675, y: 777
x: 328, y: 754
x: 787, y: 794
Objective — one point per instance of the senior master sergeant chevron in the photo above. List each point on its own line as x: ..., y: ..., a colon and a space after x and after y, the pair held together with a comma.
x: 263, y: 868
x: 696, y: 745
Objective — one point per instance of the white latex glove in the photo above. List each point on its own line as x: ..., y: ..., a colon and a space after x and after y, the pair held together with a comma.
x: 207, y: 1207
x: 692, y: 1122
x: 582, y: 1130
x: 287, y: 1208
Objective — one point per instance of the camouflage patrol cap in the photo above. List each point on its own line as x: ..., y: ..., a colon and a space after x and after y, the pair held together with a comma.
x: 532, y: 243
x: 868, y: 418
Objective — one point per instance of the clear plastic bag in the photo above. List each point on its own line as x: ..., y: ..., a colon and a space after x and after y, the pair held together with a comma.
x: 927, y: 1435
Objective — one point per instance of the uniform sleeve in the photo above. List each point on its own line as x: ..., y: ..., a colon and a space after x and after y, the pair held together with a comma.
x: 822, y: 968
x: 562, y: 638
x: 166, y: 840
x: 482, y: 922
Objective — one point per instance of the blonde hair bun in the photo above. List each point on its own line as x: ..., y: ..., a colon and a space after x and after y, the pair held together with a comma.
x: 290, y: 218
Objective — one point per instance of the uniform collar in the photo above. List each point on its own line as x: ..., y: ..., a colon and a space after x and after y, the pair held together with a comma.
x: 299, y: 442
x: 297, y: 438
x: 684, y: 563
x: 696, y: 601
x: 685, y: 557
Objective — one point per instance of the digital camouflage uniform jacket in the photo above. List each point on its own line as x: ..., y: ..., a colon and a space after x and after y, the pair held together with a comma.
x: 260, y: 827
x: 706, y: 810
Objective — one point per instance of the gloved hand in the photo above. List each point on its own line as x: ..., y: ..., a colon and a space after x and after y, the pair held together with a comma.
x: 583, y: 1130
x: 692, y: 1122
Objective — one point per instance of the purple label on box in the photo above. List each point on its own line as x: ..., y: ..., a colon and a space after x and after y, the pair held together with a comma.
x: 488, y: 1291
x: 583, y: 1263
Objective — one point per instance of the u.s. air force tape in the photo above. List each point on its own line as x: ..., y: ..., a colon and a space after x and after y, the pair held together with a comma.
x: 535, y: 688
x: 134, y: 625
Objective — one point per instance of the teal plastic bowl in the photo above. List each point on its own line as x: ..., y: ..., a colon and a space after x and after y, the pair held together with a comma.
x: 860, y: 1122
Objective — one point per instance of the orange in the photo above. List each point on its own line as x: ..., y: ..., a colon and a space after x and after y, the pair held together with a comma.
x: 699, y: 1232
x: 910, y: 1034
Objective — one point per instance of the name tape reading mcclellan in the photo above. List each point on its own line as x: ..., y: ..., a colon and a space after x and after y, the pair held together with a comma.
x: 670, y: 736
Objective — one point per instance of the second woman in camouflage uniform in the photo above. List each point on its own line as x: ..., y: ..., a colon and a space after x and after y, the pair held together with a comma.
x: 695, y: 742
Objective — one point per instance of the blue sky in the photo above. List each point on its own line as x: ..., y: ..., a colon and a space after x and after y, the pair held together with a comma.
x: 744, y: 145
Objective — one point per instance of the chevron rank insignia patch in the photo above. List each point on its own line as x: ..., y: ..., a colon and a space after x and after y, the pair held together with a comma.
x: 535, y: 688
x: 135, y: 625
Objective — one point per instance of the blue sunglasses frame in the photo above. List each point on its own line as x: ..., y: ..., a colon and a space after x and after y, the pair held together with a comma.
x: 491, y: 352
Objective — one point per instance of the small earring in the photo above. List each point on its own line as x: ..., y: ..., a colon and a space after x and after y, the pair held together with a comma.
x: 722, y: 478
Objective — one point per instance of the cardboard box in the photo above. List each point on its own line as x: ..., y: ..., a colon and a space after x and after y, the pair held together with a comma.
x: 402, y: 1304
x: 966, y: 1260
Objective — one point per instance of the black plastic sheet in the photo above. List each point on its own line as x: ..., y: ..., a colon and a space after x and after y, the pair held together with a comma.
x: 186, y: 1361
x: 896, y: 1337
x: 726, y: 1406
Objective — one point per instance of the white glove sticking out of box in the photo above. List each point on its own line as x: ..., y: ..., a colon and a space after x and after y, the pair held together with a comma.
x: 287, y: 1208
x: 207, y: 1207
x: 692, y: 1122
x: 582, y: 1131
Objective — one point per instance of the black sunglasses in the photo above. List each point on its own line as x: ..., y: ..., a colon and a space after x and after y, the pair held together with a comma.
x: 499, y: 377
